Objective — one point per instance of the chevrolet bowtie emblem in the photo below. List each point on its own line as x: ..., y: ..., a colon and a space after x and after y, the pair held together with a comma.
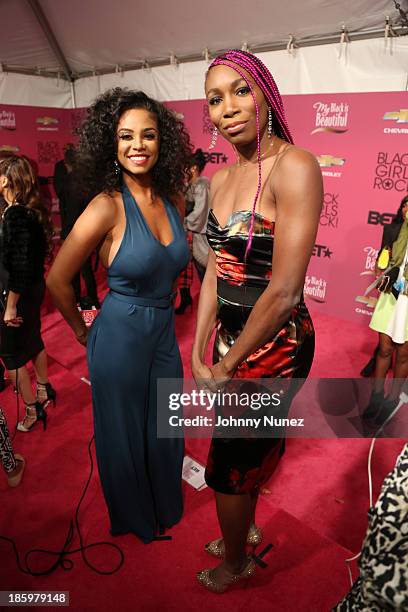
x: 46, y: 120
x: 400, y: 116
x: 326, y: 161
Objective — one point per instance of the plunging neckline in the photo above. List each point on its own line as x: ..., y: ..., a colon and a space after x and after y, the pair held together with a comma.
x: 147, y: 226
x: 235, y: 212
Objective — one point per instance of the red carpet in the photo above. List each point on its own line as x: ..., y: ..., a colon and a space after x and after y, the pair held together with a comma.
x: 314, y: 514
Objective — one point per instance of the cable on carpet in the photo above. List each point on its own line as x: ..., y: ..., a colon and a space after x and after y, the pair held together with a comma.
x: 62, y: 555
x: 403, y: 400
x: 17, y: 406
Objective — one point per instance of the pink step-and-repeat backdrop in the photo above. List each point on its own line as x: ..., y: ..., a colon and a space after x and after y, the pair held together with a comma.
x: 360, y: 141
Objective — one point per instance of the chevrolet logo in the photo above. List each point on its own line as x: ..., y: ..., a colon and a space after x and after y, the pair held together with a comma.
x: 326, y: 161
x: 46, y: 120
x: 9, y: 148
x: 400, y: 116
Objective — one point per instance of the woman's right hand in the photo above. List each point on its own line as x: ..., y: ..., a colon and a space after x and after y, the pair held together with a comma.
x: 201, y: 373
x: 10, y: 317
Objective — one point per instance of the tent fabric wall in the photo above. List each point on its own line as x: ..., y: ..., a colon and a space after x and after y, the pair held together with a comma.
x: 34, y: 91
x: 365, y: 65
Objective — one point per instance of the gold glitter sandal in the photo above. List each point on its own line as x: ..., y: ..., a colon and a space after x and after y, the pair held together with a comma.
x: 207, y: 580
x: 216, y: 547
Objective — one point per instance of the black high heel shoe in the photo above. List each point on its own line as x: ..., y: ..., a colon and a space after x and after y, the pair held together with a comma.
x: 33, y: 411
x: 374, y: 405
x: 46, y: 394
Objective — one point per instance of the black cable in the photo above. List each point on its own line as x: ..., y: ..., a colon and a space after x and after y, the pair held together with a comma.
x: 17, y: 406
x: 62, y: 560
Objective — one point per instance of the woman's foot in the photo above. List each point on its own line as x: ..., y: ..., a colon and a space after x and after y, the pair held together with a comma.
x: 222, y: 577
x: 216, y: 548
x: 14, y: 477
x: 46, y: 394
x: 34, y: 412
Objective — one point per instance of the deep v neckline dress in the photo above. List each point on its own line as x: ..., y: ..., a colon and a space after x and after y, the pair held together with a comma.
x: 131, y: 344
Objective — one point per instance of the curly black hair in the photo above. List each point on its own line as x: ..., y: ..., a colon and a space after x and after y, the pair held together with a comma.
x: 98, y: 144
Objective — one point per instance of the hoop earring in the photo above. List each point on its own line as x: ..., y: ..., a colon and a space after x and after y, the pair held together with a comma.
x: 116, y: 167
x: 270, y: 123
x: 214, y: 137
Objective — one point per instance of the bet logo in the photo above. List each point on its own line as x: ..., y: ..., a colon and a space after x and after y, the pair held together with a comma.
x: 376, y: 218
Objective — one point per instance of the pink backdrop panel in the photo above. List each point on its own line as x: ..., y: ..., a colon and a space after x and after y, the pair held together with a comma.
x: 40, y: 133
x: 359, y: 140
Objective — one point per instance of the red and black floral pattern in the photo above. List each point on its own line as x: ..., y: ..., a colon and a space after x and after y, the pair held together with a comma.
x: 242, y: 465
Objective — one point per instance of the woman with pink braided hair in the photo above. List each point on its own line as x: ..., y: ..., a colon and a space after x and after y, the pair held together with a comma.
x: 261, y: 230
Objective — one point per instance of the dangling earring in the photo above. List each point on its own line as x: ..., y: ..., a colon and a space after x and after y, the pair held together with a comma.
x: 214, y: 137
x: 270, y: 125
x: 116, y: 167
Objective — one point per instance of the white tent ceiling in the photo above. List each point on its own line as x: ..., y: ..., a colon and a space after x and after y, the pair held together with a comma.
x: 78, y: 37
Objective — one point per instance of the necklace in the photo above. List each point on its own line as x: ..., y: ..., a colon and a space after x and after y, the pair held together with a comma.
x: 247, y: 162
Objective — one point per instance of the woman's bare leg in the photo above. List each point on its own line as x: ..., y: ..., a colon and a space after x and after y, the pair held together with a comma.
x: 40, y: 364
x: 254, y: 501
x: 21, y: 380
x: 383, y: 361
x: 400, y: 371
x: 234, y: 516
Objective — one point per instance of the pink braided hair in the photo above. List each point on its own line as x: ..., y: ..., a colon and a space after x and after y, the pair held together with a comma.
x: 265, y: 81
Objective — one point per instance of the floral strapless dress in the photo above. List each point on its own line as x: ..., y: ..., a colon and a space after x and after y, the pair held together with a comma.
x: 242, y: 465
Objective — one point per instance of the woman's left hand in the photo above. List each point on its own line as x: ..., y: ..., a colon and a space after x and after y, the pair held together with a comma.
x: 10, y: 317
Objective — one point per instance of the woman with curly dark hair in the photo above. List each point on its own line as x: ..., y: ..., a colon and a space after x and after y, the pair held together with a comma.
x: 136, y: 157
x: 26, y: 236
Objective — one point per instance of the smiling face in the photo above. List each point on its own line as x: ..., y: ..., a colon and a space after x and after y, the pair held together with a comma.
x: 231, y: 106
x: 137, y: 141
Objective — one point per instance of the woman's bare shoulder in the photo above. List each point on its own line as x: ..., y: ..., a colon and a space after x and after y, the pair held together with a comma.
x: 102, y: 212
x: 105, y: 204
x: 293, y: 157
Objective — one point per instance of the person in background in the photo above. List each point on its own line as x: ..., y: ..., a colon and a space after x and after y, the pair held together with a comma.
x: 3, y: 271
x: 195, y: 222
x: 13, y: 463
x: 383, y: 581
x: 390, y: 234
x: 390, y: 319
x: 27, y: 234
x: 185, y: 279
x: 198, y: 199
x: 74, y: 204
x: 61, y: 171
